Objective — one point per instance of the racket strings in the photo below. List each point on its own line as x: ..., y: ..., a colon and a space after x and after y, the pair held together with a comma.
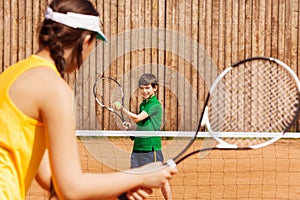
x: 257, y: 96
x: 108, y: 92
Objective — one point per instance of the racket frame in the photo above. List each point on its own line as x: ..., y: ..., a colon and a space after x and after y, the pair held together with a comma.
x: 222, y: 145
x: 120, y: 115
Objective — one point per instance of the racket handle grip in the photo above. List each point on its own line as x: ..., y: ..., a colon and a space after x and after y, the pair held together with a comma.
x: 171, y: 163
x: 122, y: 197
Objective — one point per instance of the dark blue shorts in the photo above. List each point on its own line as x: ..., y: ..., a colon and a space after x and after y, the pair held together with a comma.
x: 139, y: 159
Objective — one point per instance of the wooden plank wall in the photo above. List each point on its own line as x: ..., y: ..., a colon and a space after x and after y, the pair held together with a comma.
x: 184, y: 43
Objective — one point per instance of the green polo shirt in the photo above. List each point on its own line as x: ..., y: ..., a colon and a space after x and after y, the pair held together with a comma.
x: 152, y: 123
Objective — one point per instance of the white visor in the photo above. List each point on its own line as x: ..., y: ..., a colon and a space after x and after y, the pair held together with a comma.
x: 75, y: 20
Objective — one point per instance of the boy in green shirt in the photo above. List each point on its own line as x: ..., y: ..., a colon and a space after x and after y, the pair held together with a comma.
x: 148, y: 149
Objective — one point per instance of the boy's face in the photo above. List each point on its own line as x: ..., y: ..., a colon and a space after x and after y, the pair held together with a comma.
x: 147, y: 91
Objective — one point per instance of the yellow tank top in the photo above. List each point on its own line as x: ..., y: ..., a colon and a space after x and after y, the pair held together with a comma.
x: 22, y: 139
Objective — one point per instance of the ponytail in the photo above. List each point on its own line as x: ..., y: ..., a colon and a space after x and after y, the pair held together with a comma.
x: 57, y: 37
x: 50, y: 38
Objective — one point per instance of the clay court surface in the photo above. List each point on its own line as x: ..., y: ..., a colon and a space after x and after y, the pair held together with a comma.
x: 272, y: 172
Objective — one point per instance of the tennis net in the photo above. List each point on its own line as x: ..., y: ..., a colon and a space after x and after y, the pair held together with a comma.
x: 272, y: 172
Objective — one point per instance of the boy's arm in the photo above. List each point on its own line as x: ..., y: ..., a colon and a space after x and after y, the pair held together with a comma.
x: 134, y: 117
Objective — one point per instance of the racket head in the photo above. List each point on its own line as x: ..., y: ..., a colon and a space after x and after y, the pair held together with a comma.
x: 108, y: 92
x: 256, y: 97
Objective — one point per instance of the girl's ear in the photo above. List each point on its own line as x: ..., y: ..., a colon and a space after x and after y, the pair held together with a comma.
x: 86, y: 41
x: 87, y: 46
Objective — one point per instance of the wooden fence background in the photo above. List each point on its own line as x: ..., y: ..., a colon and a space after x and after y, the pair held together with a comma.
x: 184, y: 43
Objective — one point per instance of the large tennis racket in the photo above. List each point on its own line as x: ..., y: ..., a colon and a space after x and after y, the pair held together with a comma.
x: 255, y: 95
x: 109, y: 94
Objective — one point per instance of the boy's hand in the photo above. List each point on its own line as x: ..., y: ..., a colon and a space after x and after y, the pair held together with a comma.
x: 127, y: 125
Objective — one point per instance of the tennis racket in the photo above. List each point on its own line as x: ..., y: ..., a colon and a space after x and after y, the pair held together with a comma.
x: 109, y: 95
x: 255, y: 95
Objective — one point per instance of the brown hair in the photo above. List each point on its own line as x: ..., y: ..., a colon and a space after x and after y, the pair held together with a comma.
x: 148, y: 78
x: 57, y: 37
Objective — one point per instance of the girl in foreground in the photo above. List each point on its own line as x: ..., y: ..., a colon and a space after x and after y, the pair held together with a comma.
x: 37, y: 123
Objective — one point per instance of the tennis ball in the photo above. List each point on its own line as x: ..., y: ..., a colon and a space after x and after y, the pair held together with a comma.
x: 118, y: 105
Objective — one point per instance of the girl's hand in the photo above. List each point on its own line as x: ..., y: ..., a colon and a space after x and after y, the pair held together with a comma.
x: 139, y: 193
x: 155, y: 175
